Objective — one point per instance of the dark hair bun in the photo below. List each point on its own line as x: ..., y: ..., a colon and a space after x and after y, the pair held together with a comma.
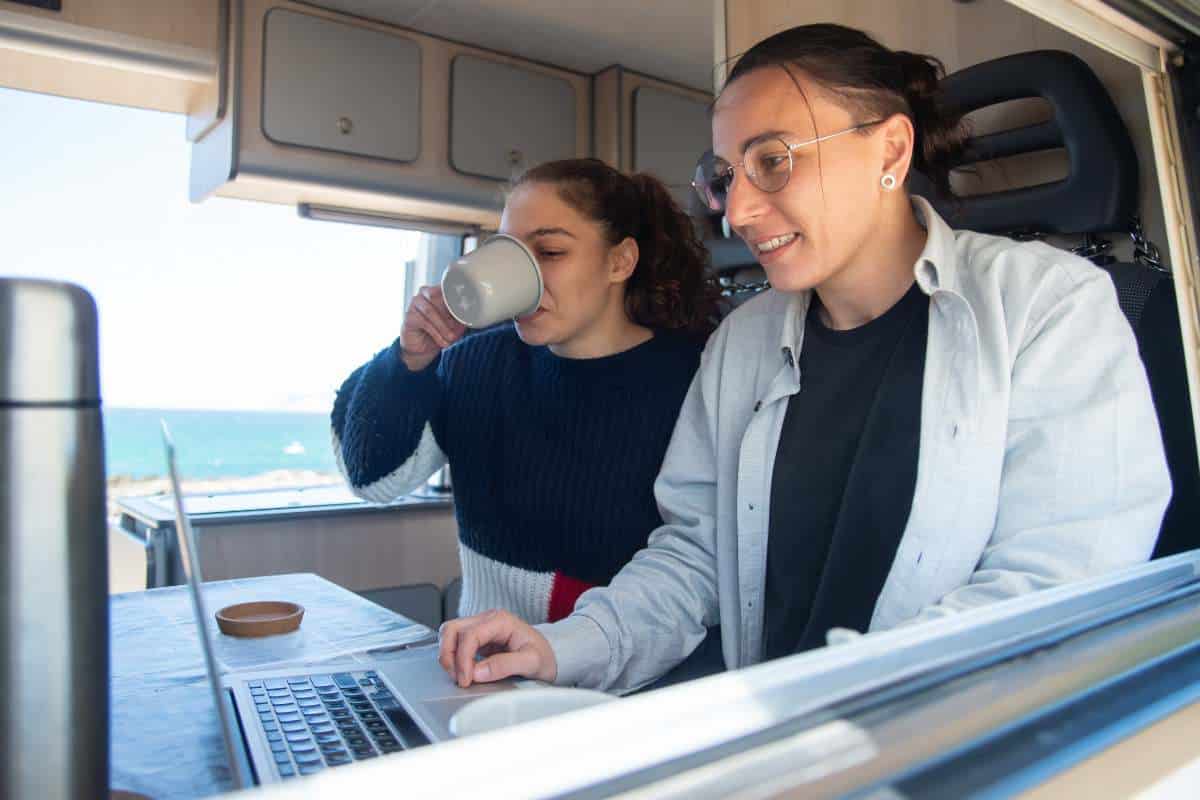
x: 941, y: 136
x: 921, y: 75
x: 873, y: 82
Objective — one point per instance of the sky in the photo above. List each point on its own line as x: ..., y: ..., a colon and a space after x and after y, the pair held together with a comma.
x: 225, y: 304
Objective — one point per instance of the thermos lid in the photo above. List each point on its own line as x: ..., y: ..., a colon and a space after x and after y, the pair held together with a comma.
x: 48, y: 344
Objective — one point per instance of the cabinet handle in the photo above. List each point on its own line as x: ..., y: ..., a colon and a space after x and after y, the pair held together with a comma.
x: 345, y: 124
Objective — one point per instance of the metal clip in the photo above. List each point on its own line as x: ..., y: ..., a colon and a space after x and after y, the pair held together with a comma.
x: 1095, y: 249
x: 731, y: 288
x: 1144, y: 251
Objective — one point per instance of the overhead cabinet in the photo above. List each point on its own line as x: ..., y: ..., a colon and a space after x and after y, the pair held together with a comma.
x: 506, y: 118
x: 670, y: 132
x: 333, y: 86
x: 328, y: 110
x: 643, y: 124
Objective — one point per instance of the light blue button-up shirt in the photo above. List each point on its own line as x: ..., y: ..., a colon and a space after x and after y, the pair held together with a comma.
x: 1040, y: 462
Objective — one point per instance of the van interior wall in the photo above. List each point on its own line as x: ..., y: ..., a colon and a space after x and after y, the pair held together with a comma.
x: 963, y: 34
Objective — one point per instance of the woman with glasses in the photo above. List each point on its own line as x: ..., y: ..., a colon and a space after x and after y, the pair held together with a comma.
x: 912, y: 422
x: 554, y: 426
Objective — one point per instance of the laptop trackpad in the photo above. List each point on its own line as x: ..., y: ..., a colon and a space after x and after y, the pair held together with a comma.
x: 427, y: 693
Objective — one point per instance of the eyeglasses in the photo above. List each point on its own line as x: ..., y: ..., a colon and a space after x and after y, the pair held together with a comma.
x: 767, y: 163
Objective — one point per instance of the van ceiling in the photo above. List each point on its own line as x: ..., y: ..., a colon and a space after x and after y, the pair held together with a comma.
x: 669, y: 39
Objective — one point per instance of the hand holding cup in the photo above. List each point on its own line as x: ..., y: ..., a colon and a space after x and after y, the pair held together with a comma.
x: 428, y: 328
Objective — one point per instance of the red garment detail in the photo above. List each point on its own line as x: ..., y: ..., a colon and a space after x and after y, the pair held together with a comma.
x: 563, y: 593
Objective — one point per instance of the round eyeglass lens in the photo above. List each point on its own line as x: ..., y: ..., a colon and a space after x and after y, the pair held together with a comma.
x: 769, y: 164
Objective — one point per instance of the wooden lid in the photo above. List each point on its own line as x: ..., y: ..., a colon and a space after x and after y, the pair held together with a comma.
x: 264, y: 618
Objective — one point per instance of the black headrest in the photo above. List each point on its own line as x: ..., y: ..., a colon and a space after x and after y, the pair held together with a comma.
x: 1101, y: 191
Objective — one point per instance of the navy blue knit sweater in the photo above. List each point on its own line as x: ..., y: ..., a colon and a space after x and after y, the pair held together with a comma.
x: 553, y: 459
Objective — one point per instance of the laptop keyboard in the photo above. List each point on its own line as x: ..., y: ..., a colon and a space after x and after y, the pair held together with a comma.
x: 318, y: 721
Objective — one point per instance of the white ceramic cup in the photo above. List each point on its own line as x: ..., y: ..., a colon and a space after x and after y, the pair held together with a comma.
x: 502, y: 709
x: 496, y: 281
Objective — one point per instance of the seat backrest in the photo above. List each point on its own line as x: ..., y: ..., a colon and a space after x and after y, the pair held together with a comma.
x: 1098, y: 196
x: 1147, y: 297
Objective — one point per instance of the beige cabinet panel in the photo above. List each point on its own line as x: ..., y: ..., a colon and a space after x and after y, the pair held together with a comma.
x: 670, y: 132
x: 333, y: 86
x: 505, y: 118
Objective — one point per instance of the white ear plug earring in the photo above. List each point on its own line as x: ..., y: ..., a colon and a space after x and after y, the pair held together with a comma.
x: 888, y: 182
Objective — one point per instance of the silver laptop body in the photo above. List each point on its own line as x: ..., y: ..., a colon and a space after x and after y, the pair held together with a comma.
x: 286, y: 723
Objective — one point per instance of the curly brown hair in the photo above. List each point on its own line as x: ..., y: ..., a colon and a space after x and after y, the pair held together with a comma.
x: 670, y: 287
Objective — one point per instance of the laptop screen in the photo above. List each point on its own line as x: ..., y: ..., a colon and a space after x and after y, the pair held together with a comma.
x: 191, y: 568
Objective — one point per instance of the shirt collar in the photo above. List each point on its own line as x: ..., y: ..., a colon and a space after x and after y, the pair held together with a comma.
x: 936, y: 268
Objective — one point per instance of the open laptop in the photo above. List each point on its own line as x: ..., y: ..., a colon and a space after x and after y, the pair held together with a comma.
x: 279, y: 724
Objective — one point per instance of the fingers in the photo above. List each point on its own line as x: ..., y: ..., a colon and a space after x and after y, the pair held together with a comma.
x: 458, y: 650
x: 525, y: 663
x: 512, y: 648
x: 448, y: 637
x: 462, y: 640
x: 422, y: 320
x: 494, y: 627
x: 435, y: 309
x: 428, y: 324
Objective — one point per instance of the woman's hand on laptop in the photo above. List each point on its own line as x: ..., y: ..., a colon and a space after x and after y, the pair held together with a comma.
x: 512, y: 648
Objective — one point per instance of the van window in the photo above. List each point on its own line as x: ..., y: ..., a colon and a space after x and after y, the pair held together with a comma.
x: 235, y: 321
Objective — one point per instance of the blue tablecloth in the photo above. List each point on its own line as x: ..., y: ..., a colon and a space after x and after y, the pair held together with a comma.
x: 166, y: 739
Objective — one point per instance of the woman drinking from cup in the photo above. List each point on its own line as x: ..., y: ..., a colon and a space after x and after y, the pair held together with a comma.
x: 914, y: 421
x: 555, y: 427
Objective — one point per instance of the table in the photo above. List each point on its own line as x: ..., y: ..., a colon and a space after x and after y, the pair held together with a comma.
x: 165, y: 734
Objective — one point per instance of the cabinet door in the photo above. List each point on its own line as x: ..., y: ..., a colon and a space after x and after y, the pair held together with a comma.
x: 670, y: 132
x: 339, y: 87
x: 504, y: 119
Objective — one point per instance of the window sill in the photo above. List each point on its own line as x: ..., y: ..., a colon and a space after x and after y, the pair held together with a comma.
x: 157, y: 511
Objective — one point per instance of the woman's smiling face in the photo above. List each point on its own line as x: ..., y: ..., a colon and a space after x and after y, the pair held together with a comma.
x: 574, y: 257
x: 807, y: 231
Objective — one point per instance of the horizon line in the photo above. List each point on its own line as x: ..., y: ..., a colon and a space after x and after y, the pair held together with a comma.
x: 105, y: 406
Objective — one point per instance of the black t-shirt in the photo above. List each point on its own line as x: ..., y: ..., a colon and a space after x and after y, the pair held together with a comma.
x: 840, y: 376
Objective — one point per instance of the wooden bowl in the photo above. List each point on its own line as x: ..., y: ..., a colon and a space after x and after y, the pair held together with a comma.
x: 264, y: 618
